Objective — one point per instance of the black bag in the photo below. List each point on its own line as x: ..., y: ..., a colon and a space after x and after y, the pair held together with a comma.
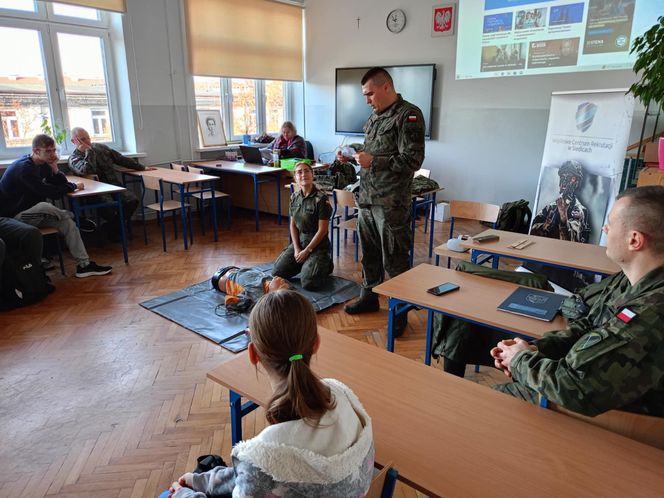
x: 514, y: 217
x: 23, y: 282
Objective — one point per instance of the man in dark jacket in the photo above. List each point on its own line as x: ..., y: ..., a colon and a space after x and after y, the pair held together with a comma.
x: 26, y: 185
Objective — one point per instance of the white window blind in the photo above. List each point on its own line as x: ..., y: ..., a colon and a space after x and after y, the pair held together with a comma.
x: 112, y: 5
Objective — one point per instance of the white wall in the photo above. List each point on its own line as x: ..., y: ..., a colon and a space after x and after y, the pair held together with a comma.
x: 488, y: 134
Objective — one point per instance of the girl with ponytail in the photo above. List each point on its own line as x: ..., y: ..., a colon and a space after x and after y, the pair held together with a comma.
x: 319, y: 442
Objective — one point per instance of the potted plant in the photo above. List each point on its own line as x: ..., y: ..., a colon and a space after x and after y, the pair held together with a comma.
x: 59, y: 133
x: 649, y: 67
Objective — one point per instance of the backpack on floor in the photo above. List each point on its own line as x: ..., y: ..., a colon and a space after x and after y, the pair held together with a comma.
x: 23, y: 282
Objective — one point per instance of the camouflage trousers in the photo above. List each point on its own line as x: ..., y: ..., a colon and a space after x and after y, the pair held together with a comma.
x: 385, y: 238
x: 313, y: 272
x: 519, y: 391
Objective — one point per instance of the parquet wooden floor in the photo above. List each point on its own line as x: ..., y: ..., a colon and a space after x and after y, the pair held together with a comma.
x: 102, y: 398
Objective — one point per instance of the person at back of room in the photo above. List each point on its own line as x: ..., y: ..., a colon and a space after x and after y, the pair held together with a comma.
x: 319, y: 442
x: 309, y: 251
x: 26, y: 185
x: 289, y: 143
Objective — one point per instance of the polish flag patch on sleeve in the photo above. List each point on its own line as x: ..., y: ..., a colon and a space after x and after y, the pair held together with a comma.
x: 626, y: 315
x: 412, y: 117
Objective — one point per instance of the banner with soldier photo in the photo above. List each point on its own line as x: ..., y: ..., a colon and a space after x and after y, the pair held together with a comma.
x: 582, y: 163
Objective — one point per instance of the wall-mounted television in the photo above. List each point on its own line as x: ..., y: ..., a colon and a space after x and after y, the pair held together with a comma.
x: 413, y: 82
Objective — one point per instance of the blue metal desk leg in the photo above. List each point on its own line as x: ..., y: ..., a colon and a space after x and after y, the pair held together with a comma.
x: 256, y: 213
x: 123, y: 236
x: 427, y: 347
x: 392, y: 307
x: 214, y: 212
x: 390, y: 483
x: 183, y: 215
x: 279, y: 197
x: 432, y: 210
x: 413, y: 214
x: 236, y: 418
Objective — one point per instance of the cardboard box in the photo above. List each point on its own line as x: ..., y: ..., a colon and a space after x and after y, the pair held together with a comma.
x: 442, y: 212
x: 650, y: 152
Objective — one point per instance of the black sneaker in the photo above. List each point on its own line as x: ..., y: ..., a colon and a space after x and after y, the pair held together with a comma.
x: 47, y: 264
x: 87, y: 225
x: 92, y: 269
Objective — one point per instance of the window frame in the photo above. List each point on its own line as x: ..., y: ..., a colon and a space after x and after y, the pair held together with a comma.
x: 48, y: 25
x: 226, y: 99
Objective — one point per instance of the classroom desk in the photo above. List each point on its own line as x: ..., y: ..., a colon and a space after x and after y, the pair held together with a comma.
x: 450, y: 437
x: 94, y: 188
x: 476, y: 302
x: 269, y: 174
x: 588, y: 258
x: 182, y: 179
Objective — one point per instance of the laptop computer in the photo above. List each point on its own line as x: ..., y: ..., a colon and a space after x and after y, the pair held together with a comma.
x: 252, y: 155
x: 534, y: 303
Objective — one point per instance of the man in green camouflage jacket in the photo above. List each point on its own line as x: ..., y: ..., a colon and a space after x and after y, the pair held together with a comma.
x: 393, y: 150
x: 99, y: 159
x: 612, y: 353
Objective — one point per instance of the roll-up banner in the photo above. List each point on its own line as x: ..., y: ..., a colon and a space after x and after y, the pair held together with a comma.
x: 582, y: 164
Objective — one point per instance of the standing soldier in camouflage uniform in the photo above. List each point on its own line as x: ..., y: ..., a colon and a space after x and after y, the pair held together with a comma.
x: 393, y: 150
x: 612, y: 353
x: 309, y: 253
x: 98, y: 159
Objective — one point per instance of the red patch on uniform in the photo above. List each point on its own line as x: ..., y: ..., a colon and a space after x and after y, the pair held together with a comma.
x: 412, y: 118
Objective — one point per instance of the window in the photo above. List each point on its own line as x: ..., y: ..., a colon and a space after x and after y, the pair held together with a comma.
x: 248, y: 106
x: 60, y: 75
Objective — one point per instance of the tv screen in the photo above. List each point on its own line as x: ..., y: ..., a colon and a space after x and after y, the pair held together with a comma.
x: 414, y: 83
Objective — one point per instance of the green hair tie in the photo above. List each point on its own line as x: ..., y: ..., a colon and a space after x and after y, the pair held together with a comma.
x: 295, y: 357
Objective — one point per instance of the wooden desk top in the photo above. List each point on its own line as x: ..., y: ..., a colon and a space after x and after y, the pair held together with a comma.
x: 173, y: 175
x: 237, y: 167
x: 92, y: 187
x: 477, y: 298
x: 451, y: 437
x: 588, y: 257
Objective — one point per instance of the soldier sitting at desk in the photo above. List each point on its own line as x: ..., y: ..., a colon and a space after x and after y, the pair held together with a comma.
x: 611, y: 356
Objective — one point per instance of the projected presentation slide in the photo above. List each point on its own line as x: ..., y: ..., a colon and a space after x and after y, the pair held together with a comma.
x: 523, y: 37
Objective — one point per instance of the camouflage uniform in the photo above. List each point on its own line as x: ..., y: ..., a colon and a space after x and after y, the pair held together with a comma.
x: 100, y: 161
x: 395, y: 137
x: 547, y: 222
x: 306, y: 212
x: 602, y: 362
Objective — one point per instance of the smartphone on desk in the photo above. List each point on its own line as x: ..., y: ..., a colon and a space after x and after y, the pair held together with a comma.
x: 441, y: 289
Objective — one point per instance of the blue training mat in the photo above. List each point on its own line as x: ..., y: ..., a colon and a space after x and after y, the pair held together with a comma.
x: 200, y: 308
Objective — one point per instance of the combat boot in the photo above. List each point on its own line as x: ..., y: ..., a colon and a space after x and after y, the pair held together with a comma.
x: 367, y: 303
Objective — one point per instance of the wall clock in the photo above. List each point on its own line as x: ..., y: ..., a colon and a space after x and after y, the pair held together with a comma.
x: 396, y: 21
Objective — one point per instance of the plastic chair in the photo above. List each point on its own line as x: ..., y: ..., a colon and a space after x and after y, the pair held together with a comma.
x: 426, y: 173
x: 327, y: 157
x: 206, y: 195
x: 47, y: 231
x: 344, y: 217
x: 467, y: 210
x: 164, y: 206
x: 310, y: 150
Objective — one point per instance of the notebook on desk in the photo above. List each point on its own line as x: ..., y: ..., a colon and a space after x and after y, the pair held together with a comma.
x: 534, y: 303
x: 252, y: 155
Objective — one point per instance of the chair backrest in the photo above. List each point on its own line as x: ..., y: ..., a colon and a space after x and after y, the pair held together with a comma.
x: 426, y: 173
x: 378, y: 482
x: 344, y: 198
x: 179, y: 167
x: 310, y: 150
x: 198, y: 171
x: 327, y: 157
x: 643, y: 428
x: 151, y: 183
x: 471, y: 210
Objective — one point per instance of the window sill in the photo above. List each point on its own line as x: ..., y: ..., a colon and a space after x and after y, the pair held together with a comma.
x: 4, y: 163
